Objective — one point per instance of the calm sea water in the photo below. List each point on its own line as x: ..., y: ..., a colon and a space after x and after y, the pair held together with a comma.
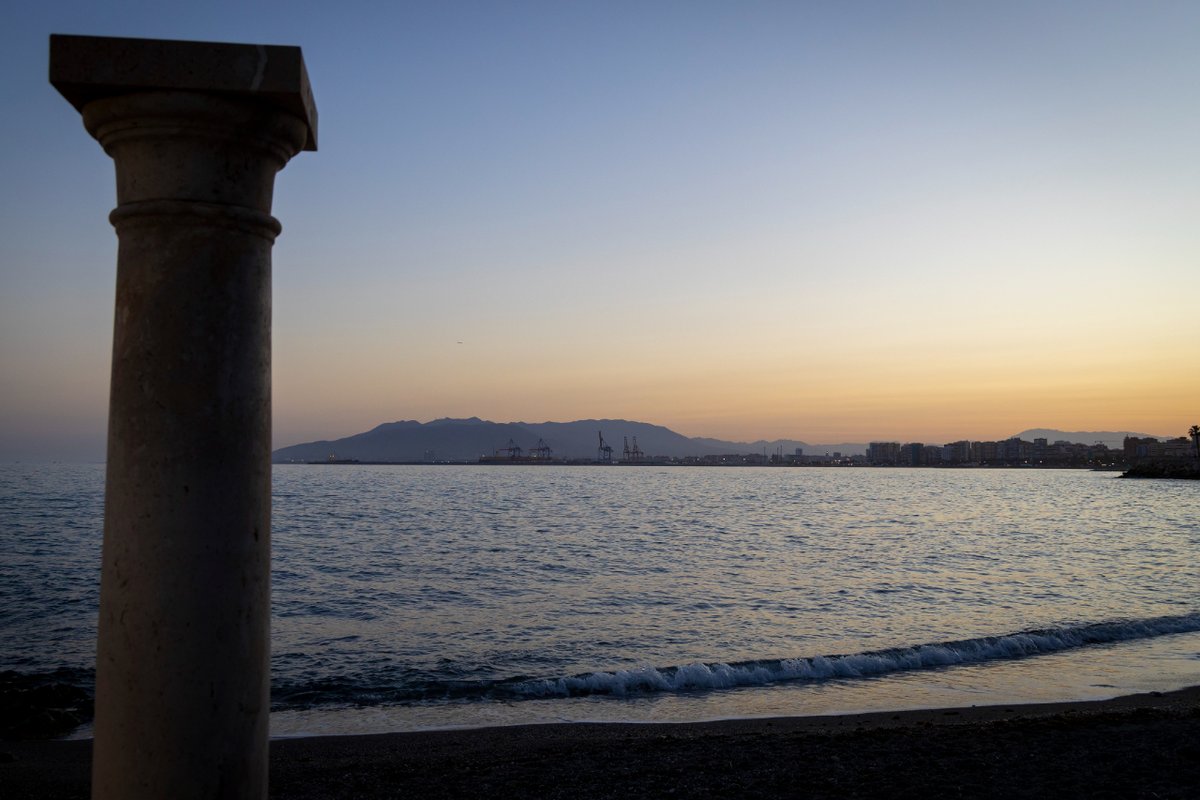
x: 410, y: 597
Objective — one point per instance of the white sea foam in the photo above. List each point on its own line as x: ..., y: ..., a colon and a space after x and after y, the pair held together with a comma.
x: 701, y: 676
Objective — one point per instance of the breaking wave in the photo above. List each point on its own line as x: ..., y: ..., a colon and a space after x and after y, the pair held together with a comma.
x: 720, y: 675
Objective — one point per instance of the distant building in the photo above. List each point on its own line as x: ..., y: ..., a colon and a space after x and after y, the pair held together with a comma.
x: 957, y: 452
x: 1149, y: 448
x: 912, y: 454
x: 1013, y: 451
x: 883, y: 453
x: 1139, y: 448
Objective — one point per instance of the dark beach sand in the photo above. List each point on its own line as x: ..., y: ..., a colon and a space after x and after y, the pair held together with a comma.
x: 1138, y: 746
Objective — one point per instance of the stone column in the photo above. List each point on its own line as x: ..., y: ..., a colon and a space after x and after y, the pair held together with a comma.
x: 197, y: 132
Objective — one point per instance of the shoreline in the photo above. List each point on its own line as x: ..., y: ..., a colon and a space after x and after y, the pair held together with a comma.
x: 1142, y: 745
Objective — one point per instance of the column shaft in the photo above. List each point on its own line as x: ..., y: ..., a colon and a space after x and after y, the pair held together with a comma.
x: 182, y: 667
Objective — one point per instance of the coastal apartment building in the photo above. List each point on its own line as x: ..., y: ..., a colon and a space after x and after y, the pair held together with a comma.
x: 1011, y: 451
x: 1147, y: 448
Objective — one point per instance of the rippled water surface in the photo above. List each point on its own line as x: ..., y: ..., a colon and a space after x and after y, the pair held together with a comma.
x: 421, y: 596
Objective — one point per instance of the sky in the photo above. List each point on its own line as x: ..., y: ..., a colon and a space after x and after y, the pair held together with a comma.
x: 825, y: 221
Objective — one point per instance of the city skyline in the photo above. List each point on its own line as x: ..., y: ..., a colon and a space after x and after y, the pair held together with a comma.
x: 829, y: 224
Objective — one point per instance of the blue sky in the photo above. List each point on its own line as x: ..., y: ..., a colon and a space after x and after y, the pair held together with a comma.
x: 825, y: 221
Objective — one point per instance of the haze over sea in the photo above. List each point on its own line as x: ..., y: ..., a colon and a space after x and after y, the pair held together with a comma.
x: 410, y: 597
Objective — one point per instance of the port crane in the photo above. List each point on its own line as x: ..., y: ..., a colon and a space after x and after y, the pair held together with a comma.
x: 604, y: 452
x: 631, y: 454
x: 541, y: 452
x: 513, y: 450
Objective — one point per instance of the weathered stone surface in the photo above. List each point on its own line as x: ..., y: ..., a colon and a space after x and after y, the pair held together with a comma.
x: 87, y: 68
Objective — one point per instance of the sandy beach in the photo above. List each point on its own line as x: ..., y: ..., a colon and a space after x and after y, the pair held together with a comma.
x: 1137, y: 746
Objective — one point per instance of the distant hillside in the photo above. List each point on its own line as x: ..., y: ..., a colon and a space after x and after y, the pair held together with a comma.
x: 1113, y: 439
x: 409, y: 440
x: 468, y: 439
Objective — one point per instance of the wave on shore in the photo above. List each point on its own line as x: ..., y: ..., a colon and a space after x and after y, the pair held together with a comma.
x: 720, y: 675
x: 48, y: 704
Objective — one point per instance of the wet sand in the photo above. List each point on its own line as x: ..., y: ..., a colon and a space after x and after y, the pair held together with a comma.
x: 1137, y: 746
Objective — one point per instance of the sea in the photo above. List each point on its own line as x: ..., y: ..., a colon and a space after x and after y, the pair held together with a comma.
x: 425, y: 597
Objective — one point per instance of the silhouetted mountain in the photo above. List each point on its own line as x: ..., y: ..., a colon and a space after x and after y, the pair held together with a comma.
x: 468, y: 439
x: 409, y: 440
x: 1113, y: 439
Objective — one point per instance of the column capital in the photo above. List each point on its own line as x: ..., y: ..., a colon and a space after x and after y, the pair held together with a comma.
x: 88, y: 68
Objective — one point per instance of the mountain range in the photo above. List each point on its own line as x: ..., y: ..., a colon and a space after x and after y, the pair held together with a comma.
x: 467, y: 439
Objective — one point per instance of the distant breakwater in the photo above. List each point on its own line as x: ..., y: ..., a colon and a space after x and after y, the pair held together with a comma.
x: 1187, y: 470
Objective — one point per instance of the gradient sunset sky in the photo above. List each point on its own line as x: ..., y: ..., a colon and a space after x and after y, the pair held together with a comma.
x: 824, y: 221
